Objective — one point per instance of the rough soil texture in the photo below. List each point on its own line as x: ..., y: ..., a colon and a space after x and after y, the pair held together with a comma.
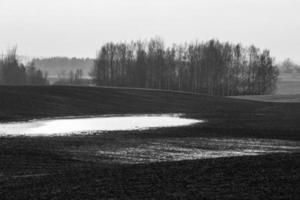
x: 73, y: 168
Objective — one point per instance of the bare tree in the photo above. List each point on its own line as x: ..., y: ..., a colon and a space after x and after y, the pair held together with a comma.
x: 210, y: 67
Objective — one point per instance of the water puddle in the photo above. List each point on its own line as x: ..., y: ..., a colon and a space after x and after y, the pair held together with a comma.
x: 52, y: 127
x: 139, y: 150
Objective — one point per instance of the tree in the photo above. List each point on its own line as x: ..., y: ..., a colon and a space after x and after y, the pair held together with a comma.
x: 14, y: 73
x: 210, y: 67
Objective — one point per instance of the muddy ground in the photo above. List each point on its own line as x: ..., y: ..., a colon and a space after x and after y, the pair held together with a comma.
x: 124, y: 165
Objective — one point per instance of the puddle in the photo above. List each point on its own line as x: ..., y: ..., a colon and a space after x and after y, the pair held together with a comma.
x: 139, y: 150
x: 88, y: 125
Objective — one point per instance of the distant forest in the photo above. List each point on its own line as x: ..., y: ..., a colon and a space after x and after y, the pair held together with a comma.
x: 12, y: 72
x: 288, y: 66
x: 211, y: 67
x: 62, y: 66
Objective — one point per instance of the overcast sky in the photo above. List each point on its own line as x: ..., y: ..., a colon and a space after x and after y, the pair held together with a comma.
x: 79, y: 27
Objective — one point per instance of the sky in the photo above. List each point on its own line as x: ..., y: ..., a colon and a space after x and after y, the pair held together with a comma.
x: 78, y: 28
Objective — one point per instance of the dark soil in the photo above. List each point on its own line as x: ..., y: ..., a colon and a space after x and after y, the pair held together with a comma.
x: 46, y: 168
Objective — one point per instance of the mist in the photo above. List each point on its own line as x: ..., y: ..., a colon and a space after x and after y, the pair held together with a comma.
x: 77, y: 28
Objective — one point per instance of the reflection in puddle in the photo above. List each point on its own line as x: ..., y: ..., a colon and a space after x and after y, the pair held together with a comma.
x: 93, y: 124
x: 175, y: 149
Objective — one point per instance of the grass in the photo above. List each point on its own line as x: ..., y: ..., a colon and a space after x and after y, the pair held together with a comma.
x: 283, y: 98
x: 72, y: 168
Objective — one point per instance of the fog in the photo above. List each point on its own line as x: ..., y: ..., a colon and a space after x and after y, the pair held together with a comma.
x: 78, y: 28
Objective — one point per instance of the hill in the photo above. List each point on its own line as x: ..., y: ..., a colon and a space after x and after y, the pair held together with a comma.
x: 292, y: 98
x: 238, y: 116
x: 75, y: 167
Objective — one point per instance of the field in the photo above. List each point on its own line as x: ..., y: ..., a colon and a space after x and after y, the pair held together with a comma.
x: 283, y: 98
x: 123, y: 165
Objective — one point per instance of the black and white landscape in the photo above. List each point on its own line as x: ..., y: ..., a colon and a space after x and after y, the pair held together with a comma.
x: 140, y: 99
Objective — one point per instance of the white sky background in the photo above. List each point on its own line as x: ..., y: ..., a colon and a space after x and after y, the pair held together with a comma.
x: 79, y: 27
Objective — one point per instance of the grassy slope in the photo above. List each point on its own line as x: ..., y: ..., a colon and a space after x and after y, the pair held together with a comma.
x: 284, y: 98
x: 59, y: 174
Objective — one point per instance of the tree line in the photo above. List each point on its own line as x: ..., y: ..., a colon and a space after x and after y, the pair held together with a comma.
x: 71, y: 78
x: 211, y: 67
x: 58, y: 65
x: 12, y: 72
